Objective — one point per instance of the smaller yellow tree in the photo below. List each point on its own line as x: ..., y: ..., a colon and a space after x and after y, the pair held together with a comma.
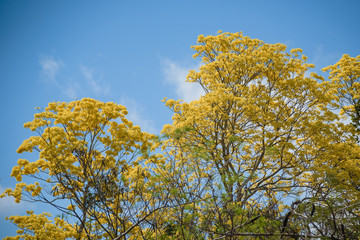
x: 338, y: 179
x: 345, y: 77
x: 91, y: 167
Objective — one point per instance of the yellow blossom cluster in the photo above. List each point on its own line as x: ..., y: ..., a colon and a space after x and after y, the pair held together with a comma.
x: 39, y: 227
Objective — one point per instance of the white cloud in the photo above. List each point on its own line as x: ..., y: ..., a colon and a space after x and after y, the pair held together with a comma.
x: 50, y: 68
x: 8, y: 206
x: 135, y: 114
x: 72, y: 85
x: 176, y: 75
x: 92, y: 83
x: 72, y: 90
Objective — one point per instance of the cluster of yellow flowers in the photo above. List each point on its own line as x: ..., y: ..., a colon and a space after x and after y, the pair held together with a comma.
x: 39, y: 227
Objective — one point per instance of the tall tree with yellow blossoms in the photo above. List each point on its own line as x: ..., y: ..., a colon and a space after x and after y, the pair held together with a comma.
x: 265, y: 153
x: 265, y: 139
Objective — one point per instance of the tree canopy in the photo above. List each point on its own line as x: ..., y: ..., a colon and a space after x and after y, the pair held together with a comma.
x: 271, y: 150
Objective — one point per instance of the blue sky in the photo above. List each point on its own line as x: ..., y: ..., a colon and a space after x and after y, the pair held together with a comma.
x: 137, y: 52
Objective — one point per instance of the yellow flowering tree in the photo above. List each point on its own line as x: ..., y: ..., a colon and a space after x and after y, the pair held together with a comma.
x: 91, y: 168
x: 258, y: 140
x: 339, y: 213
